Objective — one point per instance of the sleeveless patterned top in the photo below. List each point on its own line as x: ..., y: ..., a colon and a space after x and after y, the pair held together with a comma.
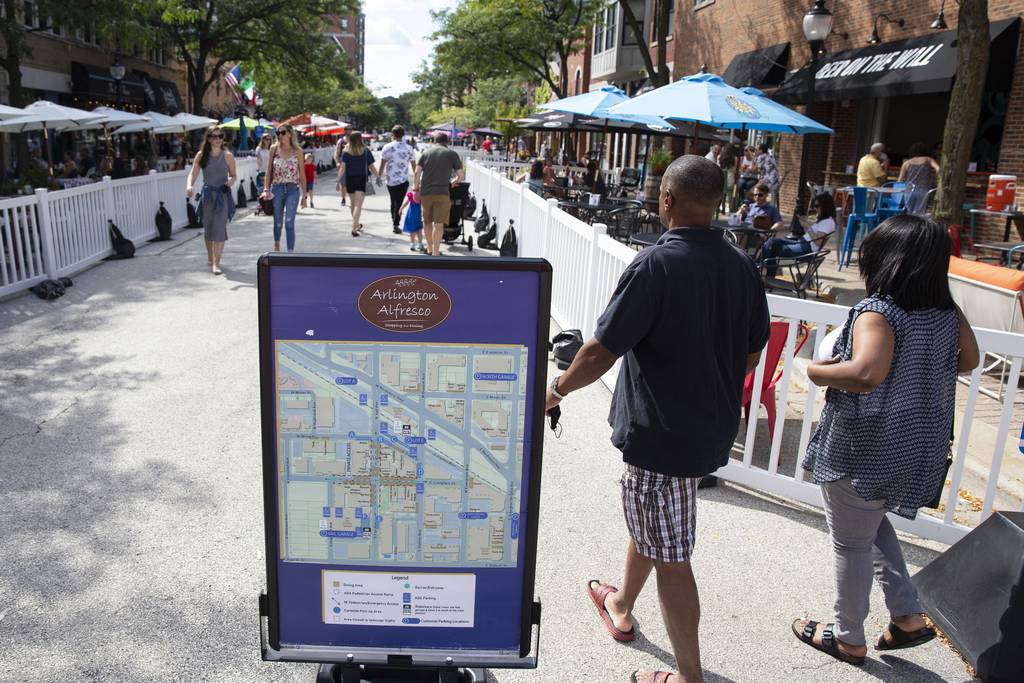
x: 285, y: 170
x: 893, y: 441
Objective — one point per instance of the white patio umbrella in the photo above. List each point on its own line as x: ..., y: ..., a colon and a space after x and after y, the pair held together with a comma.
x: 43, y: 115
x: 317, y: 121
x: 8, y: 112
x: 184, y: 122
x: 110, y: 118
x: 154, y: 120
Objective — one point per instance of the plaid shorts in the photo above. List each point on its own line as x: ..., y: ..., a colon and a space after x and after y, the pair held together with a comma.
x: 661, y: 513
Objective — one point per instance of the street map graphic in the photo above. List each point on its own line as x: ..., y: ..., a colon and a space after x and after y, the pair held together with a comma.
x: 404, y: 454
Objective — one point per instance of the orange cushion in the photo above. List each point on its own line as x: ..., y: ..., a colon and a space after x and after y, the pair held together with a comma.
x: 998, y: 276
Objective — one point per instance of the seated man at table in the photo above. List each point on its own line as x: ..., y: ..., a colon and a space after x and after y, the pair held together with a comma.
x: 761, y: 214
x: 813, y: 238
x: 870, y: 169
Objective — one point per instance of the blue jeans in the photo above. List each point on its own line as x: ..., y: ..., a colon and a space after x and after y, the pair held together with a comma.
x: 777, y: 247
x: 286, y: 203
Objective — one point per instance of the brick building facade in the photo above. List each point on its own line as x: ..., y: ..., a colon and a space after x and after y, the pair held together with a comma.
x: 349, y: 33
x: 714, y: 33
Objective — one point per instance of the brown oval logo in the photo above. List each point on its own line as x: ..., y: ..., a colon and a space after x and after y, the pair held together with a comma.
x: 403, y: 303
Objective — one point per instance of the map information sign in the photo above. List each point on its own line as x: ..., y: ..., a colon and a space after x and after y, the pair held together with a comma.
x: 402, y: 454
x: 402, y: 406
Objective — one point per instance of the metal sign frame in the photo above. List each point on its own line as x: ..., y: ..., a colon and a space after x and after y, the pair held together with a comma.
x: 270, y: 607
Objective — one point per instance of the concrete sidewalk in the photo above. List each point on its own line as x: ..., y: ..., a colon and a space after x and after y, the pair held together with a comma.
x: 131, y: 503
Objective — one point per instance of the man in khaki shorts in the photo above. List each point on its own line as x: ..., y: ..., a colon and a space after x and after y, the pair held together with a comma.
x: 689, y: 319
x: 432, y: 183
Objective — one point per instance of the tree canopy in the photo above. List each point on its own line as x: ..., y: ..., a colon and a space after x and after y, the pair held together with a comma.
x: 207, y: 34
x: 482, y: 39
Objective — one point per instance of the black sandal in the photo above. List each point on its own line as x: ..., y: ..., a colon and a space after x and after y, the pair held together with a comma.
x: 900, y: 639
x: 829, y: 645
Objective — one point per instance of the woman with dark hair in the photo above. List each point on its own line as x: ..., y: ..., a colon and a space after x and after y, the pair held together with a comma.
x: 882, y: 444
x: 218, y: 205
x: 813, y: 239
x: 534, y: 178
x: 593, y: 179
x: 921, y: 170
x: 356, y: 167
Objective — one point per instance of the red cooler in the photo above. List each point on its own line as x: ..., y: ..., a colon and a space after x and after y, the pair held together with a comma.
x: 1002, y: 190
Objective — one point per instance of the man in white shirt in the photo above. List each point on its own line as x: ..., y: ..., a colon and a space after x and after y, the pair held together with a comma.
x: 716, y: 149
x: 397, y: 159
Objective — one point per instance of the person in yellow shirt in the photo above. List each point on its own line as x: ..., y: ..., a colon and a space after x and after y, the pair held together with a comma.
x: 870, y: 172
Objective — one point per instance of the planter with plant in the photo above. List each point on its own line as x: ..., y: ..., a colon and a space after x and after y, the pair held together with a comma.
x: 657, y: 162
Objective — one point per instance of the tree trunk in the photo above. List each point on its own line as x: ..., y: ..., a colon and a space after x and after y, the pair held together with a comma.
x: 964, y: 109
x: 661, y: 21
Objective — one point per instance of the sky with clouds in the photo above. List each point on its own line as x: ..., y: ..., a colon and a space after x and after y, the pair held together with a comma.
x: 397, y: 40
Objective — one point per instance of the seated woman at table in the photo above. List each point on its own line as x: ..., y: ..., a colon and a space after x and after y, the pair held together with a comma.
x: 812, y: 240
x: 593, y: 179
x: 761, y: 214
x: 549, y: 173
x: 534, y: 178
x: 921, y: 170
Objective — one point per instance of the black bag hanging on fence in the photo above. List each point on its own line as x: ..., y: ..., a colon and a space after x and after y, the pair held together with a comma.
x: 49, y: 289
x: 480, y: 224
x: 123, y: 247
x: 565, y: 345
x: 486, y: 240
x: 470, y: 208
x: 509, y: 243
x: 253, y: 193
x: 240, y: 202
x: 194, y: 219
x: 163, y: 223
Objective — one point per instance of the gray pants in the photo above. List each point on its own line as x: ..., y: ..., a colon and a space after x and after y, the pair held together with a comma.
x: 862, y: 540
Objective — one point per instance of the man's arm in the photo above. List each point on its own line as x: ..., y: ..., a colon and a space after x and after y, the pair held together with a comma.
x: 460, y: 177
x: 752, y: 360
x: 589, y: 365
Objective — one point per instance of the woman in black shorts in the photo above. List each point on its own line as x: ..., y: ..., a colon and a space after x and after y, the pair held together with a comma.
x: 356, y: 166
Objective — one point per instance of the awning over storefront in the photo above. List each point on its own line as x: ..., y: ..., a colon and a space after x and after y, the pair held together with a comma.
x: 764, y: 68
x: 162, y: 96
x: 91, y: 82
x: 915, y: 66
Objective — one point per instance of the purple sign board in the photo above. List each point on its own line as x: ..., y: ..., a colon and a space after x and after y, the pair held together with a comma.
x: 406, y: 396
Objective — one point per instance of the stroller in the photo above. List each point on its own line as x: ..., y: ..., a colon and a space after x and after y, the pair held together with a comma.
x: 453, y: 230
x: 264, y: 207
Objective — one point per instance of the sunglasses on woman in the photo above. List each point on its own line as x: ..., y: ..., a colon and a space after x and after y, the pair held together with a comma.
x: 216, y: 136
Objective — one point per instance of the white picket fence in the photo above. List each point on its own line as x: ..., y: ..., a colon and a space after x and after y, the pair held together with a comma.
x: 55, y: 234
x: 587, y: 264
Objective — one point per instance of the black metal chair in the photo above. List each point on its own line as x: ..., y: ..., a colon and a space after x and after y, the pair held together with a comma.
x: 802, y: 271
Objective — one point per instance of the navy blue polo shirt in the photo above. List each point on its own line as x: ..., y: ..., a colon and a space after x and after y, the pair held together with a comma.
x: 685, y: 315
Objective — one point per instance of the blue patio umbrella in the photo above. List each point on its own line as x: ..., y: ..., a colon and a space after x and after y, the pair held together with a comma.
x: 706, y: 99
x: 598, y: 104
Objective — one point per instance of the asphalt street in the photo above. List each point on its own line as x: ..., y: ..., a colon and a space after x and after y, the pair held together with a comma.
x: 131, y: 512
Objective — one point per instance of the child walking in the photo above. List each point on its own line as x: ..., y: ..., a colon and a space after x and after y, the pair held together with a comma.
x: 413, y: 223
x: 310, y: 178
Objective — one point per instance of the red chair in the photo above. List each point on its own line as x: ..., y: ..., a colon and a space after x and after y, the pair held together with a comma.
x: 776, y: 345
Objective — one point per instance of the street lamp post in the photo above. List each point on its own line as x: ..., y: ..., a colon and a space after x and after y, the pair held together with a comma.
x: 817, y: 27
x: 117, y: 70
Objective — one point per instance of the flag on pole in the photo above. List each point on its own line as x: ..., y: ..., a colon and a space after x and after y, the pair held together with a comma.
x: 248, y: 86
x: 233, y: 76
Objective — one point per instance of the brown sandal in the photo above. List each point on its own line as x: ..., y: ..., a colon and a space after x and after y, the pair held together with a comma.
x: 829, y: 644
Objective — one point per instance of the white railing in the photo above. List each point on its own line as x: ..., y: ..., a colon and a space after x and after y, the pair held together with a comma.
x: 56, y: 234
x: 587, y: 265
x: 321, y: 155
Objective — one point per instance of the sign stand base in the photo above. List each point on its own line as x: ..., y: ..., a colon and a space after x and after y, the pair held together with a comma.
x: 354, y: 673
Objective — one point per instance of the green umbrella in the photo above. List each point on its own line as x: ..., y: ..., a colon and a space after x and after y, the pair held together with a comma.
x: 235, y: 124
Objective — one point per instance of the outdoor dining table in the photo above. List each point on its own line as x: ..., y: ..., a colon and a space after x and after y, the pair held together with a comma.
x: 647, y: 239
x: 1012, y: 217
x: 1007, y: 249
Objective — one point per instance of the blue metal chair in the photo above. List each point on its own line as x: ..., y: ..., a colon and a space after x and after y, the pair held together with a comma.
x: 863, y: 217
x: 894, y: 202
